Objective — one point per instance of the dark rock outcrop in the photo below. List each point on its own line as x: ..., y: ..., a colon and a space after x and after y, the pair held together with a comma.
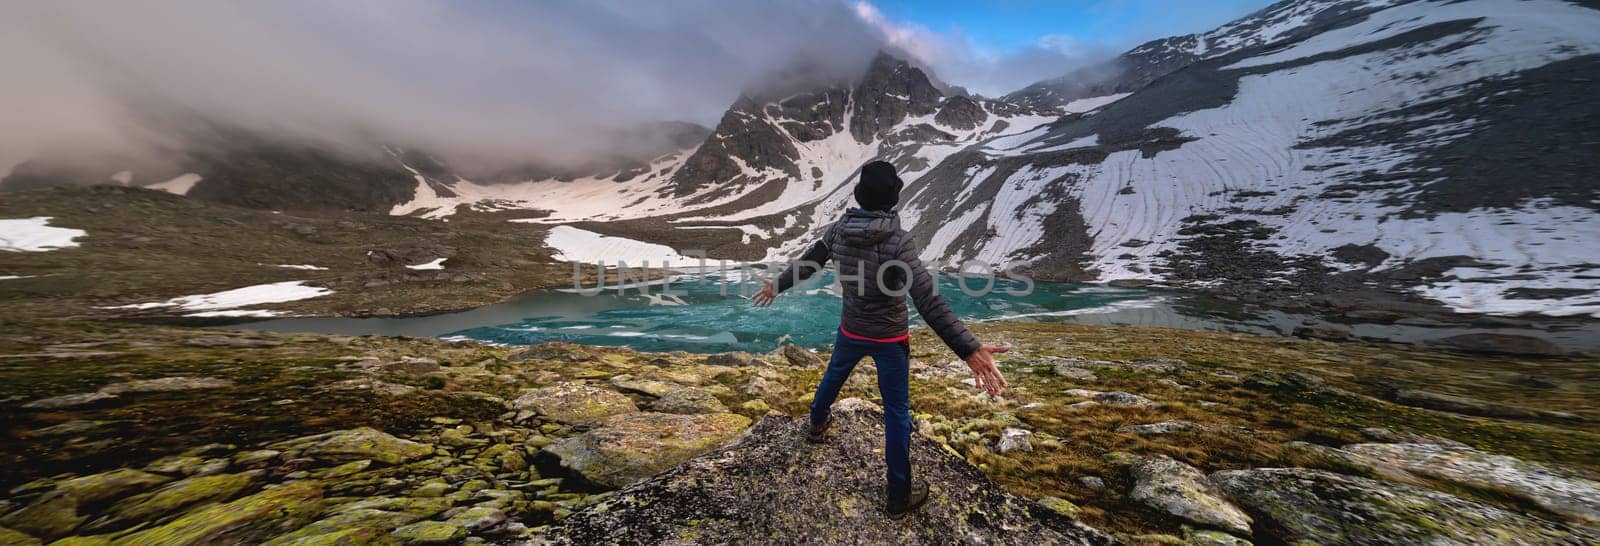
x: 1510, y: 344
x: 961, y: 113
x: 1316, y: 506
x: 773, y: 487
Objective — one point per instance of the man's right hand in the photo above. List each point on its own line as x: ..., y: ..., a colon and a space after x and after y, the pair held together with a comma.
x: 984, y: 371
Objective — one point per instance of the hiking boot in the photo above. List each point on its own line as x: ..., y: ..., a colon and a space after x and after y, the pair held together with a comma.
x: 918, y: 496
x: 816, y: 434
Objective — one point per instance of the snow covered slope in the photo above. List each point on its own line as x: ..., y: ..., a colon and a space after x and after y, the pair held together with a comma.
x: 1447, y: 146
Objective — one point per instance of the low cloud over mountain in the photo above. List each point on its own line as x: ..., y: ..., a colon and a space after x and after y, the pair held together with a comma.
x: 482, y: 82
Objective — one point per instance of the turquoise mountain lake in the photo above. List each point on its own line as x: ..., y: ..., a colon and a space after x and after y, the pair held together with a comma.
x: 711, y: 315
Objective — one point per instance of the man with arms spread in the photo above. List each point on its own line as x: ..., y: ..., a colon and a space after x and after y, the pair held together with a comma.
x: 877, y: 267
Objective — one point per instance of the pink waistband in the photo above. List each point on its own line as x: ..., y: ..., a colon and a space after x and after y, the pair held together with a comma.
x: 895, y: 339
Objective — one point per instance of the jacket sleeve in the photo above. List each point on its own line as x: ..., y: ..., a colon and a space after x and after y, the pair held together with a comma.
x: 807, y: 265
x: 931, y: 304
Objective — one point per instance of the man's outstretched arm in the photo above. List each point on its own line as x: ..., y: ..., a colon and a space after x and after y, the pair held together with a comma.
x: 937, y: 313
x: 799, y: 270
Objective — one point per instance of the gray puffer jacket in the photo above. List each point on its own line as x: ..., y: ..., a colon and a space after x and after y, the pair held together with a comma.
x: 863, y: 243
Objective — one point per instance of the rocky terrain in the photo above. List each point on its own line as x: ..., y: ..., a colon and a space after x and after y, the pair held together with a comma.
x: 119, y: 433
x: 139, y: 248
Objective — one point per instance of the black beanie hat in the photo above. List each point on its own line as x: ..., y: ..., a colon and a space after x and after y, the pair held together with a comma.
x: 879, y: 188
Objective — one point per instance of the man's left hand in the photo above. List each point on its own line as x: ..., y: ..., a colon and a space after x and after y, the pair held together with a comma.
x: 766, y: 295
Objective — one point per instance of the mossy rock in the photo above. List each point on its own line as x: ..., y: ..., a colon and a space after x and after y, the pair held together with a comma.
x: 109, y: 485
x: 430, y: 532
x: 356, y: 444
x: 688, y: 400
x: 247, y: 520
x: 1176, y: 488
x: 432, y: 489
x: 419, y: 507
x: 1215, y: 538
x: 52, y: 516
x: 637, y: 445
x: 734, y: 359
x: 1060, y: 506
x: 1552, y: 488
x: 641, y: 385
x: 175, y: 496
x: 1329, y: 508
x: 95, y: 540
x: 56, y: 513
x: 343, y: 520
x: 478, y: 518
x: 575, y: 403
x: 9, y: 537
x: 356, y: 536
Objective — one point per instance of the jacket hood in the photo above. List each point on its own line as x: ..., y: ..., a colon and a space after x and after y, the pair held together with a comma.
x: 860, y: 227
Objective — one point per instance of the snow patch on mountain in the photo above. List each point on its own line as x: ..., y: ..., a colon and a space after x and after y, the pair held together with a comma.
x: 227, y: 302
x: 1092, y: 103
x: 435, y: 265
x: 581, y: 199
x: 587, y: 247
x: 178, y: 185
x: 36, y: 235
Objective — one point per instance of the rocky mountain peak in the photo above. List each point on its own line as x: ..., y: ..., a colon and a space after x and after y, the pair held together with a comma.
x: 889, y: 92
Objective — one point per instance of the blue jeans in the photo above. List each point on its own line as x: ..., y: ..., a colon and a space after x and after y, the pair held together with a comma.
x: 894, y: 377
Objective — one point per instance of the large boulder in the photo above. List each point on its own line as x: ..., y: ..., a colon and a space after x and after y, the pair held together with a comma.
x: 575, y: 403
x: 356, y: 444
x: 1318, y: 506
x: 1547, y: 487
x: 1183, y: 491
x: 633, y: 446
x: 774, y: 487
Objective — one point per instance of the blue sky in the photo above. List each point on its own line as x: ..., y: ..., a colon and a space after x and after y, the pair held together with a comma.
x: 996, y: 46
x: 1009, y: 25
